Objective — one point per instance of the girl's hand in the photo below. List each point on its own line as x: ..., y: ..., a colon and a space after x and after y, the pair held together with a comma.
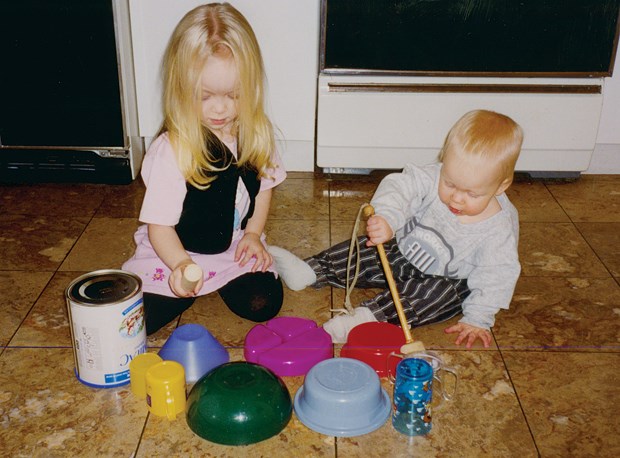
x: 176, y: 277
x: 250, y: 246
x: 469, y: 333
x: 378, y: 230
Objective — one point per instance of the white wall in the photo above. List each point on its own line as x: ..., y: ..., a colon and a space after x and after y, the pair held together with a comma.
x: 606, y: 157
x: 288, y: 33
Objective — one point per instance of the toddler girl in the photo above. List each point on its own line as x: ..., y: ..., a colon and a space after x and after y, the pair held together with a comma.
x: 209, y: 174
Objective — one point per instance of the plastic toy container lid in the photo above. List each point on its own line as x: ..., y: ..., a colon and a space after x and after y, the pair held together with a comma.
x: 289, y: 346
x: 372, y: 343
x: 342, y: 397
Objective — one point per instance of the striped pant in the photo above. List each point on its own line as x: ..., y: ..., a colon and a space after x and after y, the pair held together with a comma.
x: 426, y: 299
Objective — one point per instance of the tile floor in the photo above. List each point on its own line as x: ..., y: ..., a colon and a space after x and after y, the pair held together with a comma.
x: 547, y: 387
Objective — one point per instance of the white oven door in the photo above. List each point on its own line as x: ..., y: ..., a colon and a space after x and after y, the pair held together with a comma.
x: 371, y: 122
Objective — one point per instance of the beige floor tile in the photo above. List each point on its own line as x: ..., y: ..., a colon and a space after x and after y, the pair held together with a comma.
x: 484, y: 419
x: 37, y: 243
x: 122, y: 201
x: 535, y: 203
x: 590, y: 199
x: 556, y: 250
x: 604, y: 238
x: 346, y: 197
x: 51, y: 199
x: 47, y: 412
x: 341, y: 231
x: 304, y: 175
x: 158, y: 339
x: 300, y: 199
x: 313, y: 304
x: 303, y: 238
x: 20, y: 290
x: 105, y: 244
x: 211, y: 312
x: 47, y: 324
x: 563, y: 314
x: 570, y: 401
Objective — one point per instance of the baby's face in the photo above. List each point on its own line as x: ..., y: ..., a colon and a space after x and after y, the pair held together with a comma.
x: 468, y: 186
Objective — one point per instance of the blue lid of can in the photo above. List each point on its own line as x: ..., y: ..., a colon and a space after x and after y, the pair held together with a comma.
x: 415, y: 369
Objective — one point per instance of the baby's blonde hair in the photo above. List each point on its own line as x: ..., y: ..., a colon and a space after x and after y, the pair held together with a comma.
x: 486, y: 135
x: 215, y: 29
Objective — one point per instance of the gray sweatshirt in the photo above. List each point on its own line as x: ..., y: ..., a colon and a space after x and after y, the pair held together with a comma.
x: 433, y: 240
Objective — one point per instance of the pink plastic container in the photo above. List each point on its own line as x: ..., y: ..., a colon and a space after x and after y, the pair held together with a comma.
x: 372, y: 343
x: 289, y: 346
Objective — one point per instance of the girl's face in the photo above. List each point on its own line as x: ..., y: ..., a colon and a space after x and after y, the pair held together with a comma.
x: 219, y: 82
x: 468, y: 186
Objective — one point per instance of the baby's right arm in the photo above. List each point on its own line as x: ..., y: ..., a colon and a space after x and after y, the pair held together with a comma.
x: 378, y: 230
x: 399, y: 195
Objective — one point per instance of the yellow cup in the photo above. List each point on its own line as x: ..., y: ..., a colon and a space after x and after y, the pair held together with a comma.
x: 137, y: 372
x: 165, y: 389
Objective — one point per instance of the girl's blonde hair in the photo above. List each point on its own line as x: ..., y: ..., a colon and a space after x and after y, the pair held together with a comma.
x: 487, y: 135
x: 215, y: 29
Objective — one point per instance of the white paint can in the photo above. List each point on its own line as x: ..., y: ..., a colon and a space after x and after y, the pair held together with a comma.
x: 106, y: 316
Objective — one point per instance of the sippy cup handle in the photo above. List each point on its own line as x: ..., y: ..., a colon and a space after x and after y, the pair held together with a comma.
x: 444, y: 394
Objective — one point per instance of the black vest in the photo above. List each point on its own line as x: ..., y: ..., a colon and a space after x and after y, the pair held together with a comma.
x: 207, y: 218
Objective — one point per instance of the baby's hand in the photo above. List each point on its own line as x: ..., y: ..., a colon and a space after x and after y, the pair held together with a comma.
x: 250, y: 247
x: 378, y: 230
x: 469, y: 333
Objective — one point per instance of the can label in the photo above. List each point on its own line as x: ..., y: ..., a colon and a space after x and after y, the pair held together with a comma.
x: 107, y: 326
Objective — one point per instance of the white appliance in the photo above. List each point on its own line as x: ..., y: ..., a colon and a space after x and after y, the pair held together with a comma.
x: 68, y: 109
x: 370, y: 122
x: 395, y: 76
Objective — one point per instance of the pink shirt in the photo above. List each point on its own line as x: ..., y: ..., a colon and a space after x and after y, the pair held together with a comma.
x: 163, y: 203
x: 166, y: 187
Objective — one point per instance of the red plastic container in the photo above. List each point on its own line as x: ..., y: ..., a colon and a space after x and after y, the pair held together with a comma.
x: 372, y: 343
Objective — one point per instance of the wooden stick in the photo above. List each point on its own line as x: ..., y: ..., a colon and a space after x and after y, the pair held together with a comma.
x: 410, y: 346
x: 191, y: 274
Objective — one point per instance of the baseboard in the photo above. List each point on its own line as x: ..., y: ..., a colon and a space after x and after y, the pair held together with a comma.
x: 62, y: 166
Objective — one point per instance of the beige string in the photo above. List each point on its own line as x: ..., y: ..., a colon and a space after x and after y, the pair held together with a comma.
x: 350, y: 284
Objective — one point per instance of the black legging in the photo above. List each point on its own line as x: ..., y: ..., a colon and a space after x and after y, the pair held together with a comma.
x: 255, y: 296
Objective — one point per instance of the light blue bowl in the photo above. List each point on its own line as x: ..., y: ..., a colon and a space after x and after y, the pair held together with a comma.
x: 193, y: 346
x: 342, y: 397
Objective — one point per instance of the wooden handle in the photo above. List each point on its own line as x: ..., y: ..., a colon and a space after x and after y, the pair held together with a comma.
x: 368, y: 212
x: 191, y: 274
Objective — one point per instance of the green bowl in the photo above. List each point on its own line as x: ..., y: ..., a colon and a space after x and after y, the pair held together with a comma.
x: 238, y: 403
